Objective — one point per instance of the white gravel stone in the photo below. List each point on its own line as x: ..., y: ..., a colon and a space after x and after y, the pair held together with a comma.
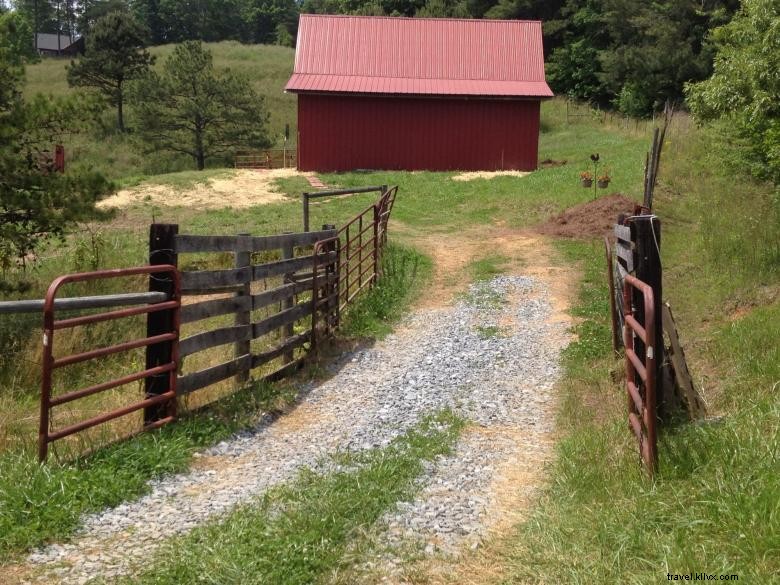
x: 492, y: 358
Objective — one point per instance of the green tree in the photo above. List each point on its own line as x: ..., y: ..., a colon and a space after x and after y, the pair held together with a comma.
x: 89, y: 11
x: 744, y: 90
x: 194, y: 109
x: 116, y: 54
x: 41, y: 14
x: 16, y: 37
x: 35, y: 203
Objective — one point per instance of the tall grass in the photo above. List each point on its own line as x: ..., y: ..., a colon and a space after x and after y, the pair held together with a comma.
x: 714, y: 505
x: 267, y: 66
x: 404, y: 273
x: 44, y: 503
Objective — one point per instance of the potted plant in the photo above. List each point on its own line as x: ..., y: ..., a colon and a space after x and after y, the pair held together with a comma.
x: 603, y: 180
x: 587, y: 178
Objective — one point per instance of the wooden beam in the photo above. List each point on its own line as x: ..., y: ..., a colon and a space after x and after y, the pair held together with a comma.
x: 212, y: 375
x: 214, y: 338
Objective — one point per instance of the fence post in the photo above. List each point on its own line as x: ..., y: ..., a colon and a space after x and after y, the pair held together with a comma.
x: 243, y: 259
x: 331, y: 272
x: 305, y: 212
x: 287, y: 331
x: 648, y: 270
x: 162, y: 250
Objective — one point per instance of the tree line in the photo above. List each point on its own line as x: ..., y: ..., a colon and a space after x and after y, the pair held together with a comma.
x: 632, y: 55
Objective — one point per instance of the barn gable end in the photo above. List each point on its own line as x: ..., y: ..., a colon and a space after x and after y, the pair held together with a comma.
x: 418, y: 94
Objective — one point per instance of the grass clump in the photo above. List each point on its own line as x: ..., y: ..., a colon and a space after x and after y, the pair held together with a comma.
x: 42, y: 503
x: 404, y: 272
x: 489, y: 331
x: 302, y: 532
x: 487, y: 267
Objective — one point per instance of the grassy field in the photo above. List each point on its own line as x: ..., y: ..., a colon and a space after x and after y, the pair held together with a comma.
x: 714, y: 504
x: 267, y: 66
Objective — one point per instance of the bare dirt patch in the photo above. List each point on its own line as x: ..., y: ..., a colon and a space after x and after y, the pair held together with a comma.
x: 588, y: 220
x: 242, y: 189
x: 488, y: 175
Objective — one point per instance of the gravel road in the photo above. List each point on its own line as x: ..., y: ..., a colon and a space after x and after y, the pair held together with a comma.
x: 492, y: 356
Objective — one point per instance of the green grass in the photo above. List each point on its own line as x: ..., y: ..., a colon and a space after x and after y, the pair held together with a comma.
x: 267, y: 66
x: 600, y: 519
x: 715, y: 503
x: 487, y: 267
x: 44, y: 503
x: 308, y: 530
x: 490, y: 331
x: 404, y: 272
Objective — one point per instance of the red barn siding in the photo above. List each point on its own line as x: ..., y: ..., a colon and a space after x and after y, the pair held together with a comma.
x: 342, y: 133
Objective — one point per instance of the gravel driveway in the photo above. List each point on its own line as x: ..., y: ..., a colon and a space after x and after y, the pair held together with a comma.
x: 492, y: 356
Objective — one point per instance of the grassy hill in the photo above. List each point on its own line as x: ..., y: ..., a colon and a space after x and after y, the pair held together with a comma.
x: 267, y: 66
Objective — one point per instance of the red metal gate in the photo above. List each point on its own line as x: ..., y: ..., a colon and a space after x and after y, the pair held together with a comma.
x: 47, y: 435
x: 641, y: 368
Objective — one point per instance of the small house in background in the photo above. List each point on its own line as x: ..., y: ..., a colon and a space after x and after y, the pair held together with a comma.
x: 59, y: 45
x: 418, y: 94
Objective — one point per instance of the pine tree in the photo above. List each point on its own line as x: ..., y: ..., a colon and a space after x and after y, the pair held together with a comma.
x: 116, y: 54
x: 195, y: 109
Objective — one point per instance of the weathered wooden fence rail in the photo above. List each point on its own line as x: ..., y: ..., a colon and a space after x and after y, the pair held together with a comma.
x: 217, y: 307
x: 285, y: 301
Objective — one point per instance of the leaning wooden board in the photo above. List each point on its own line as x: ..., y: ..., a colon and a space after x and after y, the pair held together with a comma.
x: 675, y: 352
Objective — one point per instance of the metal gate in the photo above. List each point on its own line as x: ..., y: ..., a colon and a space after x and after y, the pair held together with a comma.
x: 639, y: 340
x: 151, y: 303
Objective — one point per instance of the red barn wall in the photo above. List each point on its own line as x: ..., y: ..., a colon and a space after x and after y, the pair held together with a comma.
x: 342, y: 133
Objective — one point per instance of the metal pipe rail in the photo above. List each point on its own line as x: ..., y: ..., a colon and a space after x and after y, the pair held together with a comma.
x: 382, y: 189
x: 79, y: 303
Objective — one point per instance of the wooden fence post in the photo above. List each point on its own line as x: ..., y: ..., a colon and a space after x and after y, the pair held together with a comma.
x: 243, y: 259
x: 305, y: 198
x: 162, y: 250
x: 648, y: 269
x: 288, y: 253
x: 331, y: 272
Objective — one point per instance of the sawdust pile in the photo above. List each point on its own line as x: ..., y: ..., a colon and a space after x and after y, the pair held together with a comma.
x: 241, y: 189
x: 488, y: 175
x: 588, y: 220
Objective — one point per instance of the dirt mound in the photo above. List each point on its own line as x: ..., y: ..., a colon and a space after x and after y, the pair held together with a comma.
x: 588, y: 220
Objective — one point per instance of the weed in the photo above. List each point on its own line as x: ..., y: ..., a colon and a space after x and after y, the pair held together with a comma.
x: 487, y: 267
x: 489, y: 331
x: 404, y: 272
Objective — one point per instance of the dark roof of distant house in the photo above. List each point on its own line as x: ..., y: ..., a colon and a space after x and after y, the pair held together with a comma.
x: 419, y: 56
x: 48, y: 42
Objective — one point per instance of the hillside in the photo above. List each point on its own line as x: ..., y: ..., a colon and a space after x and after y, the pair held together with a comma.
x: 268, y: 66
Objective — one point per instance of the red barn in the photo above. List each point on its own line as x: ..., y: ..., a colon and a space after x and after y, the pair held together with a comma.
x: 418, y: 94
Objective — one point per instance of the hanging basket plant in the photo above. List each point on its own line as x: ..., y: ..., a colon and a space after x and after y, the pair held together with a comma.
x: 586, y: 177
x: 603, y: 180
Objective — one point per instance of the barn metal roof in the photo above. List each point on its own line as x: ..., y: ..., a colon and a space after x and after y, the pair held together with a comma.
x: 53, y: 42
x: 419, y: 56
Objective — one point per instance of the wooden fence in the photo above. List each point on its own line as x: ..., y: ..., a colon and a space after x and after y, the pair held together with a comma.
x: 217, y: 307
x: 267, y: 290
x: 280, y: 158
